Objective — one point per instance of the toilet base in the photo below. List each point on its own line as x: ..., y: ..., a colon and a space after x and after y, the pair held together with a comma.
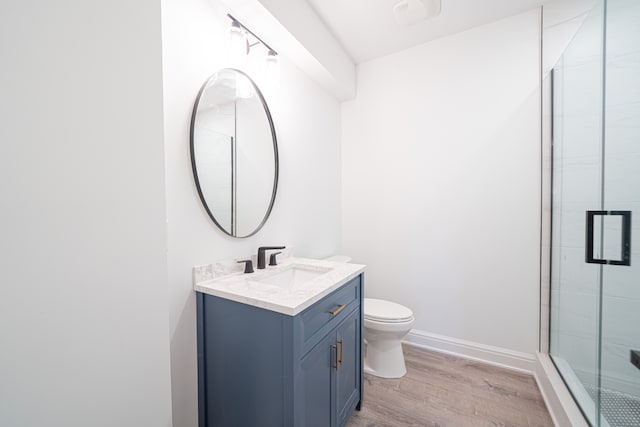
x: 384, y: 358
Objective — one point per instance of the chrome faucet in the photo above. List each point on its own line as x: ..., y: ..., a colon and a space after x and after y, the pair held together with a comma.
x: 261, y: 258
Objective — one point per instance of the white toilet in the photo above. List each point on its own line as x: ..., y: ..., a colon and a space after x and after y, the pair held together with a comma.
x: 385, y: 324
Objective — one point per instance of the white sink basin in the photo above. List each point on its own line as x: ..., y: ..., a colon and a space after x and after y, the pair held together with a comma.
x: 294, y: 275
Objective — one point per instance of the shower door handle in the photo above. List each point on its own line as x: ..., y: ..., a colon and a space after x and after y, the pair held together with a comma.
x: 626, y: 238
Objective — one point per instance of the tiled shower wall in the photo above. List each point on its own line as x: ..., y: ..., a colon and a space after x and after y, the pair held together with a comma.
x: 621, y: 285
x: 577, y: 183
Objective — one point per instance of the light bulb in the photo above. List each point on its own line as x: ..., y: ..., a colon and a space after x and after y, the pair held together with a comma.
x: 272, y: 69
x: 237, y: 44
x: 272, y: 64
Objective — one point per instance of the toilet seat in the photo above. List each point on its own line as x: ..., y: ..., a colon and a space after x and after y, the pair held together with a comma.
x: 386, y: 311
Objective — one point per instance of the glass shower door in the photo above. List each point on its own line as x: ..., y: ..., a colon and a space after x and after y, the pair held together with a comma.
x: 619, y: 392
x: 595, y: 283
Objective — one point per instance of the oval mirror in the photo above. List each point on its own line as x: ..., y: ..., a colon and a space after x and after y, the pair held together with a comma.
x: 234, y: 153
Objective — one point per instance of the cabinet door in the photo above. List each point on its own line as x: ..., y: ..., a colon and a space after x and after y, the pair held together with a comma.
x: 317, y: 378
x: 348, y: 374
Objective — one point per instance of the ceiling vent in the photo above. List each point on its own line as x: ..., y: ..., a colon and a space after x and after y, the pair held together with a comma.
x: 409, y: 12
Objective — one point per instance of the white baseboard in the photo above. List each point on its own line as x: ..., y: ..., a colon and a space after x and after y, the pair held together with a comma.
x: 496, y: 356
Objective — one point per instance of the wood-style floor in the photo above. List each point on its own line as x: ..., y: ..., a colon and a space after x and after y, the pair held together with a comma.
x: 443, y: 390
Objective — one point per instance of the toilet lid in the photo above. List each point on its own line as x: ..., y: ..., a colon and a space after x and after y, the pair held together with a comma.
x: 386, y: 311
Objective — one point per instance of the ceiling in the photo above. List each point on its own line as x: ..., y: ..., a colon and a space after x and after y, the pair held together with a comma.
x: 367, y: 29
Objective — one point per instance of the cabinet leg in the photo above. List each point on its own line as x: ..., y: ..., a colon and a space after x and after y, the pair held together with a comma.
x: 359, y: 406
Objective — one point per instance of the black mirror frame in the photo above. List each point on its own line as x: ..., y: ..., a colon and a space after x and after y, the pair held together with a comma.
x: 275, y: 154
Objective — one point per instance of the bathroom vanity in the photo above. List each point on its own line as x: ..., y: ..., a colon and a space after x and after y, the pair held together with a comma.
x: 282, y: 346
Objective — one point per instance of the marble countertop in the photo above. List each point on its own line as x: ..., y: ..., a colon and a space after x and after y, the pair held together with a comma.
x: 290, y: 300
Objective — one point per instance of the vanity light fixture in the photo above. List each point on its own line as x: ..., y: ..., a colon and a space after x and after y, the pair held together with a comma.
x: 240, y: 45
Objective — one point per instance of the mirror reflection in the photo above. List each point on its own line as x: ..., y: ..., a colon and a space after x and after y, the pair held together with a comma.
x: 234, y: 153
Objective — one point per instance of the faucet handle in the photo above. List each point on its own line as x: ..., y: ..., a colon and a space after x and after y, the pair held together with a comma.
x: 248, y: 265
x: 272, y: 258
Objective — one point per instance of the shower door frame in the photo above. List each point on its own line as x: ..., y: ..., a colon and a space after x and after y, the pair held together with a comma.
x: 564, y: 392
x: 559, y: 391
x: 560, y: 401
x: 561, y: 404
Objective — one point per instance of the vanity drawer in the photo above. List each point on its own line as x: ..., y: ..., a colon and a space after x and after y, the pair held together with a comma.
x: 329, y: 311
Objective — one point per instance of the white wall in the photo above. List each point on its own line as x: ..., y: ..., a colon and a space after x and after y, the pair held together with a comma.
x: 561, y: 19
x: 83, y: 294
x: 441, y: 182
x: 306, y: 214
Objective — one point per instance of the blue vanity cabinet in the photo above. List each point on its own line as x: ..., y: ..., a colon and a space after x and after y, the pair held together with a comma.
x: 330, y: 376
x: 316, y: 381
x: 258, y: 367
x: 349, y: 370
